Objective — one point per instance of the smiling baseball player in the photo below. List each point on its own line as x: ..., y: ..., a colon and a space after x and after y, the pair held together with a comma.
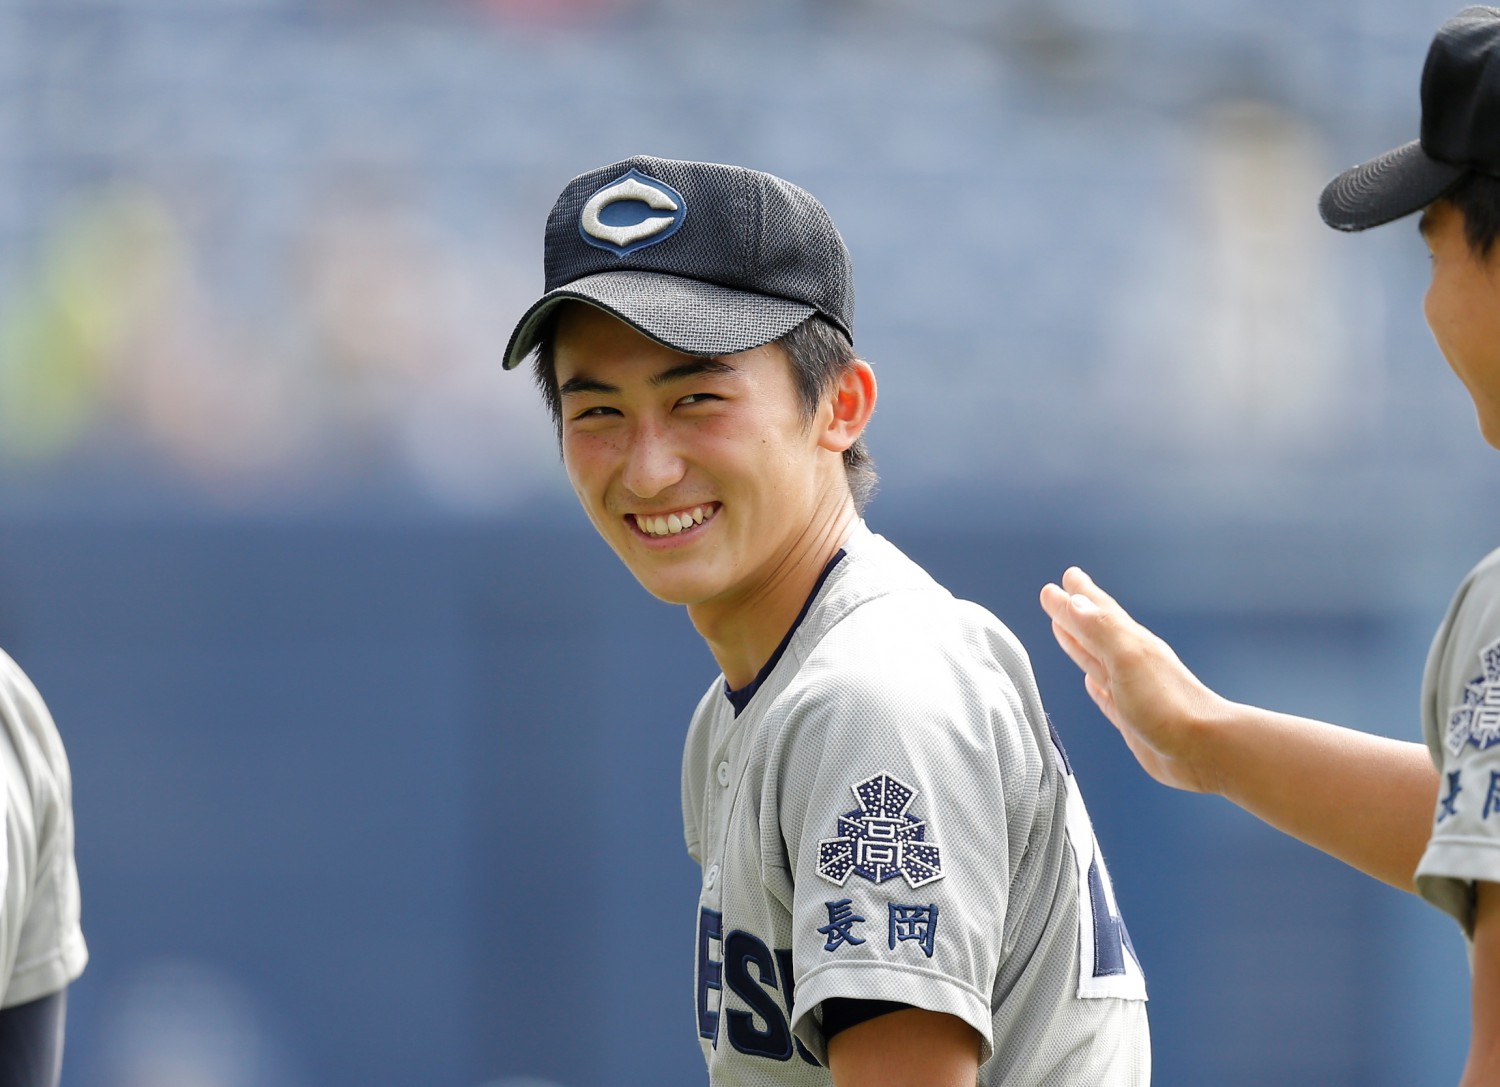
x: 900, y: 881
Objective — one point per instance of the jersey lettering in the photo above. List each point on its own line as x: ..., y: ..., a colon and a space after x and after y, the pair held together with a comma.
x: 788, y: 982
x: 1107, y: 966
x: 1110, y: 936
x: 710, y: 973
x: 741, y: 952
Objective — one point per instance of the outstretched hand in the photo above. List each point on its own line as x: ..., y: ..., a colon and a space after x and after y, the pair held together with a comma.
x: 1160, y: 708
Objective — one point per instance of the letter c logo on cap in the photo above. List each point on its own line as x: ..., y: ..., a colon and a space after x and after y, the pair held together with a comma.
x: 619, y: 216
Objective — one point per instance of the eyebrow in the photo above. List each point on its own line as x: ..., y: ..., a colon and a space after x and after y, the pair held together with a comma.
x: 692, y: 368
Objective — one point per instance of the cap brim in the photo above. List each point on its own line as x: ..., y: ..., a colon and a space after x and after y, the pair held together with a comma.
x: 1384, y: 189
x: 686, y: 315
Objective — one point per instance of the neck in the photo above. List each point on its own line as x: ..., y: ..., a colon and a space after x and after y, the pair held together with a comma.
x: 742, y: 635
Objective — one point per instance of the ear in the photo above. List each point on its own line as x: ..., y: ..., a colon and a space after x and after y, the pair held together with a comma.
x: 852, y: 403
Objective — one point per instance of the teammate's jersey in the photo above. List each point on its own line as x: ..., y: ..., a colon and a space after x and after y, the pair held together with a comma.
x: 1461, y: 723
x: 889, y: 817
x: 41, y: 943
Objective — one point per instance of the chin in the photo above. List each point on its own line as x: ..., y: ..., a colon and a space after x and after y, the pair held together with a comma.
x: 672, y: 594
x: 1489, y: 429
x: 670, y: 590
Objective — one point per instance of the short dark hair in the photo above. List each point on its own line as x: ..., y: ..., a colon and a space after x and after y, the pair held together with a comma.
x: 818, y: 353
x: 1477, y: 195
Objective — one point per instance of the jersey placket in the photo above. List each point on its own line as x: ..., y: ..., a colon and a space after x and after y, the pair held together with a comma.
x: 728, y: 770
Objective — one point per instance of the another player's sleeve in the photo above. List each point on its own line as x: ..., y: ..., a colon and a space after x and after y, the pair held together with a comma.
x: 50, y: 951
x: 1461, y: 720
x: 900, y: 834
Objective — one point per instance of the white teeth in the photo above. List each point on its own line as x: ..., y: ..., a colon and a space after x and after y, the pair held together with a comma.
x: 673, y: 523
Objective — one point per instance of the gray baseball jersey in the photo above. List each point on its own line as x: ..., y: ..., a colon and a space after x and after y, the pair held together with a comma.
x: 1461, y: 723
x: 41, y: 943
x: 885, y: 814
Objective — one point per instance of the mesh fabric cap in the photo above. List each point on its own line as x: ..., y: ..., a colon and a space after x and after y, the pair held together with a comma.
x: 1386, y: 188
x: 707, y: 259
x: 1460, y: 131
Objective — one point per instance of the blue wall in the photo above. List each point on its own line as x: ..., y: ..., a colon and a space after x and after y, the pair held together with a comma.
x: 396, y: 803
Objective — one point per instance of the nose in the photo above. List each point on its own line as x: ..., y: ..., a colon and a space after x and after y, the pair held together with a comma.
x: 652, y: 461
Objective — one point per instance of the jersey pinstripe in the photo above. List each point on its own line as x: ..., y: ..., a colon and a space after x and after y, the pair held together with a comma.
x: 890, y: 817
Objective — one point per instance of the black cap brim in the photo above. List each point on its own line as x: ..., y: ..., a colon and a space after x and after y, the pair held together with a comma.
x: 687, y: 315
x: 1384, y: 189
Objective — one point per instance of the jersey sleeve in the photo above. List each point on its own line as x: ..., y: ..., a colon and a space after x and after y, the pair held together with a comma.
x: 1461, y: 722
x: 900, y: 808
x: 50, y: 951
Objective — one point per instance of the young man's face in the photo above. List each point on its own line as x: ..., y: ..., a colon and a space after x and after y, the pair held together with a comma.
x: 1463, y: 311
x: 703, y: 474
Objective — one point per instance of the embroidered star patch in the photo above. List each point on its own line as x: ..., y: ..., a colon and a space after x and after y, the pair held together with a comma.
x: 1476, y: 720
x: 881, y: 839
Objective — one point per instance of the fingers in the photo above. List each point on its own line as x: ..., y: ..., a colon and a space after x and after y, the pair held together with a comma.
x: 1076, y: 581
x: 1054, y: 601
x: 1065, y: 611
x: 1076, y: 609
x: 1090, y: 664
x: 1060, y: 604
x: 1062, y: 609
x: 1093, y: 617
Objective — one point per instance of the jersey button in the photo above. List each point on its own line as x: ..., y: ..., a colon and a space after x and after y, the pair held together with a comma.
x: 711, y: 876
x: 723, y: 773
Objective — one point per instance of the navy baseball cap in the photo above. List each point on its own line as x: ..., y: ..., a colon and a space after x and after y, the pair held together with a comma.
x: 703, y: 258
x: 1460, y: 131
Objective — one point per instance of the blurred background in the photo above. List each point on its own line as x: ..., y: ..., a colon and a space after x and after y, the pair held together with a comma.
x: 375, y: 745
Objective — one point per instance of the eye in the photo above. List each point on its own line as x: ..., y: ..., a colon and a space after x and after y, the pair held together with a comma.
x: 596, y: 412
x: 698, y: 398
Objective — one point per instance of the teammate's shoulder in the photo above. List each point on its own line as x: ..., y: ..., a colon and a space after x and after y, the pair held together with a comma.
x: 15, y: 685
x: 1479, y: 591
x: 26, y: 725
x: 1486, y: 570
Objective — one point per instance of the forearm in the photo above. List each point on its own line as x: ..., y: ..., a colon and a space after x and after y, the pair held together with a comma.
x: 908, y: 1048
x: 1364, y: 799
x: 1483, y: 1065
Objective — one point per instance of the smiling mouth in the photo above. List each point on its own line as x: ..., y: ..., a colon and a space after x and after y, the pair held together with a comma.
x: 671, y: 524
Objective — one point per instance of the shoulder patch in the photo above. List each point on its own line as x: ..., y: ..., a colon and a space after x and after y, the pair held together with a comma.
x: 1475, y: 720
x: 881, y: 839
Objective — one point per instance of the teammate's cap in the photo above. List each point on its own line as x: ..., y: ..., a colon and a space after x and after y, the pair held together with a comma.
x: 1460, y: 131
x: 704, y: 258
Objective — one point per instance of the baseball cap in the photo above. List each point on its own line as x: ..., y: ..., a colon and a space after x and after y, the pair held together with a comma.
x: 704, y: 258
x: 1460, y: 131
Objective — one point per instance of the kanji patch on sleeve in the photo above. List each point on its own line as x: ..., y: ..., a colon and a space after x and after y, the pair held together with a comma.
x: 840, y: 927
x: 881, y: 839
x: 1476, y: 719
